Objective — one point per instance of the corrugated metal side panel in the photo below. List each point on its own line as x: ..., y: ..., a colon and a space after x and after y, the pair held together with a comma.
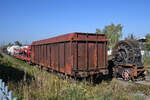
x: 91, y: 52
x: 89, y: 55
x: 81, y: 56
x: 106, y: 64
x: 75, y: 55
x: 58, y: 61
x: 40, y: 55
x: 62, y: 57
x: 43, y: 59
x: 45, y: 55
x: 34, y: 54
x: 37, y: 56
x: 48, y: 55
x: 58, y: 56
x: 52, y: 56
x: 68, y: 66
x: 102, y: 55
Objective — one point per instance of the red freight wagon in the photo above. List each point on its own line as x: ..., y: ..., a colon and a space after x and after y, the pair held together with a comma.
x: 23, y: 53
x: 76, y: 54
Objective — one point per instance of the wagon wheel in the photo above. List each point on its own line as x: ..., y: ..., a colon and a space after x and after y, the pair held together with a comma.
x: 126, y: 75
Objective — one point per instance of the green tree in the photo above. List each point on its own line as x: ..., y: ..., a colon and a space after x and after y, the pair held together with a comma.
x: 147, y: 45
x: 113, y: 33
x: 98, y: 31
x: 131, y: 37
x: 18, y: 43
x: 10, y: 44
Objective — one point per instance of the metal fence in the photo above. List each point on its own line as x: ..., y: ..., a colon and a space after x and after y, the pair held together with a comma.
x: 4, y: 93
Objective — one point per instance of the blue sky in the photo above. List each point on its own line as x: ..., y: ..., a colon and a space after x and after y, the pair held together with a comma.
x: 30, y: 20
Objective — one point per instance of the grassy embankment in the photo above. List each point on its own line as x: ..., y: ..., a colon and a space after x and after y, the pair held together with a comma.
x: 30, y: 83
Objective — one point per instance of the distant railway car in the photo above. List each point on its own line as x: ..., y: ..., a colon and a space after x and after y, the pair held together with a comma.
x: 75, y: 54
x: 23, y: 53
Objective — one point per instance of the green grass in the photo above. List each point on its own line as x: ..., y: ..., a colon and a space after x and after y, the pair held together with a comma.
x: 30, y: 83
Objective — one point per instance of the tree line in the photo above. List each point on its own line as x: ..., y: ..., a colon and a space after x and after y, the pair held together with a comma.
x: 15, y: 43
x: 114, y: 34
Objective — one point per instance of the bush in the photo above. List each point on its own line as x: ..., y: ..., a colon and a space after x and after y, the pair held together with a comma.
x: 146, y: 60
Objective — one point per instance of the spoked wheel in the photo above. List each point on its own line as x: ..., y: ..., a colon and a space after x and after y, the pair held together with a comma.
x: 126, y: 75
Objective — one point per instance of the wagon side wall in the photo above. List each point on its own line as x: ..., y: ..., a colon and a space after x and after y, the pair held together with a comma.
x: 56, y: 56
x: 89, y: 56
x: 85, y: 53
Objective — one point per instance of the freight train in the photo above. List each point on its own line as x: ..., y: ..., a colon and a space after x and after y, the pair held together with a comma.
x: 84, y: 54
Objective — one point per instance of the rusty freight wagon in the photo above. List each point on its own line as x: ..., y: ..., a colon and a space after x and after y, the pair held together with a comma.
x: 75, y: 54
